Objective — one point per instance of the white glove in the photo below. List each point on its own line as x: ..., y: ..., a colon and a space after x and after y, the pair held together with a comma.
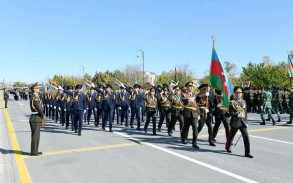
x: 191, y: 99
x: 84, y: 111
x: 54, y: 107
x: 119, y: 108
x: 207, y: 94
x: 220, y: 105
x: 47, y: 105
x: 92, y: 85
x: 59, y: 108
x: 261, y: 107
x: 87, y: 108
x: 65, y: 110
x: 60, y: 88
x: 198, y: 117
x: 207, y: 110
x: 122, y: 85
x: 240, y: 115
x: 51, y: 106
x: 95, y: 109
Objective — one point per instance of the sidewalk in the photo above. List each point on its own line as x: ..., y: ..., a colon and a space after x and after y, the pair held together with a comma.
x: 6, y: 158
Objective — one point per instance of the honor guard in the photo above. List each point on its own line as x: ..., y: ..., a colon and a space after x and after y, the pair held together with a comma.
x: 221, y: 114
x: 68, y: 108
x: 204, y: 104
x: 176, y: 109
x: 78, y: 106
x: 6, y: 96
x: 98, y: 105
x: 35, y: 119
x: 108, y: 98
x: 62, y: 107
x: 238, y: 121
x: 151, y: 109
x: 267, y: 106
x: 135, y: 104
x: 290, y: 106
x: 91, y: 104
x: 190, y: 114
x: 276, y: 102
x: 165, y: 107
x: 124, y: 103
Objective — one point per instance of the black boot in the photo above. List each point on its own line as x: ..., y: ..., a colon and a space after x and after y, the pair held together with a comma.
x: 248, y: 155
x: 279, y: 119
x: 274, y: 122
x: 183, y: 141
x: 263, y: 122
x: 195, y: 146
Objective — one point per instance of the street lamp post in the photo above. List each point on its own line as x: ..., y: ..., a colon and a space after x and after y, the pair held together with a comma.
x: 82, y: 71
x: 142, y: 56
x: 290, y: 58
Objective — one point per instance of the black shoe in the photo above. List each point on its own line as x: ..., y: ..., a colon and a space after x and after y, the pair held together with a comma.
x: 110, y: 130
x: 79, y: 134
x: 40, y: 153
x: 212, y: 144
x: 263, y: 123
x: 248, y: 156
x: 170, y: 134
x: 104, y: 128
x: 214, y: 140
x: 154, y: 133
x: 66, y: 127
x: 145, y: 131
x: 268, y: 119
x: 75, y: 131
x: 138, y: 129
x: 131, y: 126
x: 274, y: 122
x: 195, y: 146
x: 159, y: 130
x: 126, y: 125
x: 183, y: 141
x: 228, y: 151
x: 173, y: 128
x: 290, y: 122
x: 279, y: 120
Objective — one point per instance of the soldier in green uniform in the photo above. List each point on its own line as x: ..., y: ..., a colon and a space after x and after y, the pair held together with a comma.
x: 290, y: 106
x: 276, y: 102
x: 165, y: 107
x: 238, y: 121
x: 35, y: 119
x: 151, y: 109
x: 6, y: 96
x: 267, y: 106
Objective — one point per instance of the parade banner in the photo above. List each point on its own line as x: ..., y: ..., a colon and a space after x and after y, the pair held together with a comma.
x: 85, y: 88
x: 290, y: 68
x: 115, y: 85
x: 220, y: 79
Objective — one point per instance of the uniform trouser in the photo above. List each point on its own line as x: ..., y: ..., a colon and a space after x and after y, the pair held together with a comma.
x: 89, y: 114
x: 285, y: 107
x: 108, y: 115
x: 151, y: 114
x: 205, y: 119
x: 275, y: 108
x: 164, y: 113
x: 47, y: 110
x: 5, y: 100
x: 85, y: 115
x: 62, y: 116
x: 69, y: 114
x: 35, y: 128
x: 291, y: 114
x: 218, y: 119
x: 99, y: 114
x: 78, y: 116
x: 174, y: 118
x: 143, y: 112
x: 244, y: 134
x: 135, y: 111
x: 124, y: 115
x: 269, y: 111
x: 53, y: 113
x: 184, y: 133
x: 116, y: 109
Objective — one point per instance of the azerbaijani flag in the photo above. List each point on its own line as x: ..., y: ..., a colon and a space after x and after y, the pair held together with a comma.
x: 290, y: 67
x: 176, y: 76
x: 85, y: 88
x: 115, y: 85
x: 220, y: 79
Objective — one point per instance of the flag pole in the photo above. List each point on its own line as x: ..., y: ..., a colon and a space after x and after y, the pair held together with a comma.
x: 214, y: 40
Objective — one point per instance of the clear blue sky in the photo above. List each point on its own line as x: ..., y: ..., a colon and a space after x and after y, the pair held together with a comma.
x: 41, y: 38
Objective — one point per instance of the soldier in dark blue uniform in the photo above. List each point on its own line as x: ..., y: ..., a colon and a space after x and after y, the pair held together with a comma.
x: 58, y: 104
x: 68, y: 108
x: 124, y: 103
x: 79, y: 107
x: 98, y: 105
x: 62, y: 108
x: 116, y: 107
x: 135, y: 104
x: 91, y: 104
x: 108, y: 98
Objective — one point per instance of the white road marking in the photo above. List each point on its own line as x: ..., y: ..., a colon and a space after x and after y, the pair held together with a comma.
x: 189, y: 159
x: 284, y: 142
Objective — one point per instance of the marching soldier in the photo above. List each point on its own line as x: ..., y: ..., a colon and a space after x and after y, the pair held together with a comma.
x: 276, y: 102
x: 62, y: 107
x: 290, y: 106
x: 124, y: 103
x: 221, y: 114
x: 135, y: 104
x: 190, y: 114
x: 151, y: 109
x: 117, y: 106
x: 35, y: 119
x: 79, y: 107
x: 205, y: 118
x: 99, y: 105
x: 6, y: 96
x: 267, y: 106
x: 238, y: 121
x: 164, y: 108
x: 176, y: 109
x: 58, y: 104
x: 91, y: 104
x: 108, y: 98
x: 50, y: 106
x: 68, y: 108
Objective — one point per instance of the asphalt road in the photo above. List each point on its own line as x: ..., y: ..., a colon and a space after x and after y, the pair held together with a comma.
x: 128, y: 155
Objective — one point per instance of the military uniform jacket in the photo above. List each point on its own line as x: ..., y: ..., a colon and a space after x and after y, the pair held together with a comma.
x: 108, y: 99
x: 219, y: 108
x: 203, y: 103
x: 68, y: 102
x: 190, y: 106
x: 36, y: 107
x: 275, y: 98
x: 123, y: 98
x: 90, y: 99
x: 163, y: 100
x: 151, y: 102
x: 236, y: 107
x: 98, y: 100
x: 49, y: 100
x: 267, y: 100
x: 57, y: 100
x: 63, y: 101
x: 291, y: 100
x: 176, y: 104
x: 6, y: 95
x: 135, y: 98
x: 79, y: 101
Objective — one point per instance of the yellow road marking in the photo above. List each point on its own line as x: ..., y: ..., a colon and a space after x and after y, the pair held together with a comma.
x: 83, y: 150
x: 23, y: 172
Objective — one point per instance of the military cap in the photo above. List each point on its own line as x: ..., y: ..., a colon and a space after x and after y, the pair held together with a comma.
x: 121, y: 87
x: 130, y: 88
x: 34, y: 85
x: 165, y: 85
x: 136, y: 86
x: 176, y: 88
x: 268, y: 88
x: 219, y: 92
x: 190, y: 83
x: 79, y: 86
x: 165, y: 89
x: 108, y: 86
x: 159, y: 86
x: 93, y: 88
x: 101, y: 86
x: 69, y: 87
x: 152, y: 89
x: 238, y: 89
x: 203, y: 86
